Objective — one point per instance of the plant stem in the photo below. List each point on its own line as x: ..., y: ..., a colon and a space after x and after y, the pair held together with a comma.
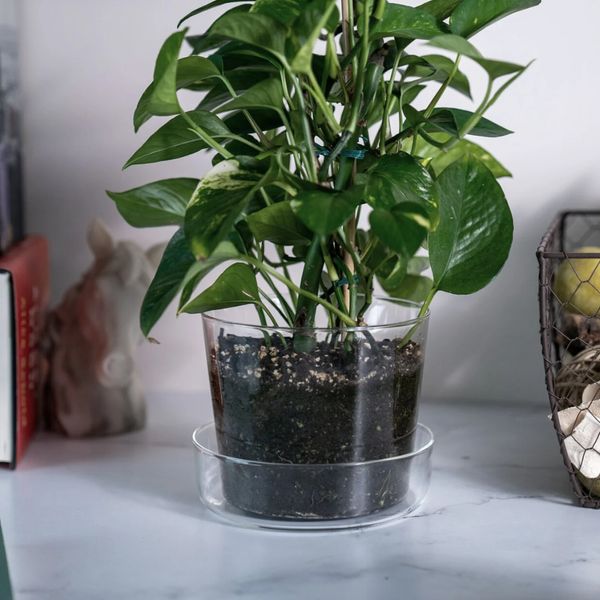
x: 207, y: 139
x: 292, y: 286
x: 388, y: 102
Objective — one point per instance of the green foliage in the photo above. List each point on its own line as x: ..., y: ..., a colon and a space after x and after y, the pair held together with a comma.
x: 312, y: 123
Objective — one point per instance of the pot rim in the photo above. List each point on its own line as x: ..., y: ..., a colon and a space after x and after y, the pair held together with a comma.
x: 209, y: 316
x: 242, y: 461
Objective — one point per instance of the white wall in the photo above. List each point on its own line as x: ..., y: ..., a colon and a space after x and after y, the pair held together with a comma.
x: 85, y: 62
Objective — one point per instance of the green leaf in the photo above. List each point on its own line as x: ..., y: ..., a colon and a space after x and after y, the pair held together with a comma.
x: 265, y: 94
x: 259, y: 31
x: 474, y: 236
x: 162, y: 100
x: 155, y: 204
x: 415, y: 288
x: 455, y: 43
x: 452, y: 120
x: 284, y: 11
x: 442, y: 67
x: 315, y: 17
x: 439, y: 159
x: 224, y: 252
x: 472, y: 16
x: 278, y: 224
x: 440, y: 9
x: 216, y: 205
x: 195, y: 69
x: 399, y: 178
x: 175, y: 139
x: 403, y: 228
x: 235, y: 287
x: 175, y: 263
x: 323, y: 211
x: 498, y: 68
x: 404, y: 21
x: 208, y: 6
x: 190, y: 70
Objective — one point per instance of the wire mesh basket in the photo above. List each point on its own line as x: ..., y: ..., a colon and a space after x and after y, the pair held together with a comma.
x: 569, y: 297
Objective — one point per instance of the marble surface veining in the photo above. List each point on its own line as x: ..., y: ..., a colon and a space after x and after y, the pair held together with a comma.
x: 119, y: 518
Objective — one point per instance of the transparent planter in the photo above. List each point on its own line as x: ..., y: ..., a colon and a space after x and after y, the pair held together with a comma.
x: 413, y: 468
x: 314, y: 424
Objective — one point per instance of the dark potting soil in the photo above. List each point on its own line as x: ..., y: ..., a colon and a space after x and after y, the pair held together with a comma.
x: 339, y: 403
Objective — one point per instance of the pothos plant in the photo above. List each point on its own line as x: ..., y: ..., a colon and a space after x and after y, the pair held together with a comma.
x: 333, y: 151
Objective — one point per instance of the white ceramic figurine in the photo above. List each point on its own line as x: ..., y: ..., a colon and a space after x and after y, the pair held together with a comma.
x: 93, y: 385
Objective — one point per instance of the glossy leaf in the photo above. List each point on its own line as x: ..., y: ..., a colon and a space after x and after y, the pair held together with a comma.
x: 278, y: 224
x: 472, y: 16
x: 313, y: 18
x: 498, y: 68
x: 206, y: 7
x: 414, y: 288
x: 442, y: 67
x: 224, y: 252
x: 404, y: 21
x: 452, y: 120
x: 474, y: 235
x: 260, y: 31
x: 284, y: 11
x: 403, y: 228
x: 265, y: 94
x: 439, y: 159
x: 400, y: 178
x: 190, y: 70
x: 323, y: 211
x: 236, y: 286
x: 455, y: 43
x: 162, y: 100
x: 440, y: 9
x: 175, y: 139
x: 155, y: 204
x: 217, y: 203
x: 175, y: 263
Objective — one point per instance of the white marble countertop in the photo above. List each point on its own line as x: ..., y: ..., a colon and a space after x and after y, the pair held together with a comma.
x: 119, y: 518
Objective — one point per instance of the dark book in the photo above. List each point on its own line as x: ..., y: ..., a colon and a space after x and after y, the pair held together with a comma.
x: 5, y: 587
x: 24, y: 295
x: 11, y: 191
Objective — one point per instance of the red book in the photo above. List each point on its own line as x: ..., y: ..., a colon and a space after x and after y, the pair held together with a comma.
x: 24, y: 296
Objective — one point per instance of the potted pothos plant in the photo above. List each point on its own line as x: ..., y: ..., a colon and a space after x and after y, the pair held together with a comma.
x: 337, y: 166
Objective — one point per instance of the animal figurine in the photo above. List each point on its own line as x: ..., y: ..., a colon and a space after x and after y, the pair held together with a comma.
x: 93, y: 386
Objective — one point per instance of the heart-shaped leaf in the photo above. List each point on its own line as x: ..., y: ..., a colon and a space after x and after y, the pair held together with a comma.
x: 323, y: 211
x: 314, y: 17
x: 224, y: 252
x: 175, y: 138
x: 404, y: 21
x: 265, y: 94
x: 440, y: 9
x: 474, y: 235
x: 284, y: 11
x: 455, y: 43
x: 162, y: 100
x: 402, y: 228
x: 216, y: 205
x: 206, y: 7
x: 439, y: 159
x: 471, y: 16
x: 452, y: 121
x: 176, y: 261
x: 400, y: 178
x: 260, y: 31
x: 278, y: 224
x: 155, y: 204
x: 190, y: 70
x: 236, y: 286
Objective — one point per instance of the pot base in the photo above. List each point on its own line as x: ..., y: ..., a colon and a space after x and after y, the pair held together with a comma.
x: 413, y: 469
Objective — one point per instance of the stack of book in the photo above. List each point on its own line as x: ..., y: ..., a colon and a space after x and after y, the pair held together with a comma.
x: 24, y: 287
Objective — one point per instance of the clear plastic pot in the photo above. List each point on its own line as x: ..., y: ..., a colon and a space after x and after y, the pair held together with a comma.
x: 316, y: 397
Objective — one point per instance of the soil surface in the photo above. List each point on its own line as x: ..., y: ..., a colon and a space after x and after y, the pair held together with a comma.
x: 344, y: 401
